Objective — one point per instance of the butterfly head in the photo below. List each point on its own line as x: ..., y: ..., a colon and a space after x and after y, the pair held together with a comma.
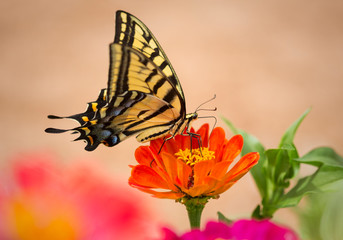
x: 190, y: 117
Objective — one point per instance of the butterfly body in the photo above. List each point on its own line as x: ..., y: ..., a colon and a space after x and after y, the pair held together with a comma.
x: 143, y: 95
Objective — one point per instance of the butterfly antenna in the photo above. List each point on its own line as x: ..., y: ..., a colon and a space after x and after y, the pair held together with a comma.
x: 198, y: 108
x: 207, y: 109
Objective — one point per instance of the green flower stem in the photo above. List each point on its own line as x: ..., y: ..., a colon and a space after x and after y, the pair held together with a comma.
x: 194, y: 207
x: 194, y: 215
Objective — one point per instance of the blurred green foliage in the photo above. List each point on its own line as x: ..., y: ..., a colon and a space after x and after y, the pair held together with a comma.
x: 277, y: 167
x: 322, y: 216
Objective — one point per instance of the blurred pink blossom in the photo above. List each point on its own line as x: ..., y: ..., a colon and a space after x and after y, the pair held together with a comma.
x: 239, y: 230
x: 41, y: 199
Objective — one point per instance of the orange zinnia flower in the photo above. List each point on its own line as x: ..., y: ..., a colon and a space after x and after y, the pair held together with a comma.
x: 177, y: 173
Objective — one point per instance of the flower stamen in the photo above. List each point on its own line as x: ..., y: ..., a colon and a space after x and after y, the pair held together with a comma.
x: 195, y: 156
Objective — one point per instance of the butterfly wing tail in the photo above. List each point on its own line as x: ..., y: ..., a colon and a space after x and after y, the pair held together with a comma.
x: 93, y: 133
x: 86, y: 121
x: 89, y: 114
x: 56, y: 130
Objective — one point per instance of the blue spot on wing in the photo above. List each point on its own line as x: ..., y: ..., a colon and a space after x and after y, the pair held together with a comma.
x: 112, y: 140
x: 106, y: 133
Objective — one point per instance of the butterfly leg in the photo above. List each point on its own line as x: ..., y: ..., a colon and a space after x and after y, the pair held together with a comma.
x: 164, y: 141
x: 198, y: 138
x: 193, y: 135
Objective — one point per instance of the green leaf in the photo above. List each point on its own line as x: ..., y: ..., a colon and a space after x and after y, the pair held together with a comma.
x: 322, y: 216
x: 252, y: 144
x: 287, y: 143
x: 310, y: 216
x: 322, y: 156
x: 322, y: 180
x: 287, y: 138
x: 279, y: 164
x: 330, y: 170
x: 222, y: 218
x: 332, y: 219
x: 257, y: 213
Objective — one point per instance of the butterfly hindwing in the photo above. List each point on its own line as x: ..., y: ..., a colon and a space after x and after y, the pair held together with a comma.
x: 89, y: 114
x: 130, y: 113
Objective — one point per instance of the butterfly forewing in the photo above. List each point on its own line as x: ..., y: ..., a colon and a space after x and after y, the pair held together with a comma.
x: 131, y: 71
x: 133, y: 33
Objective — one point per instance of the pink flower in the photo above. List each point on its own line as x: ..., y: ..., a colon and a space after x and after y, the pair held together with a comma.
x: 212, y: 231
x: 239, y: 230
x: 40, y: 199
x: 260, y: 230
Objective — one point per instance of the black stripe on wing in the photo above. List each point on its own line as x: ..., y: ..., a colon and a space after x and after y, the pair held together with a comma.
x: 112, y: 123
x: 132, y: 32
x: 131, y: 70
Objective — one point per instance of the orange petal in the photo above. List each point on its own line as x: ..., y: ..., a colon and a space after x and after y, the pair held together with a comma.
x: 157, y: 143
x: 169, y: 171
x: 170, y: 166
x: 233, y: 148
x: 169, y: 194
x: 242, y: 166
x: 179, y: 141
x: 217, y: 140
x: 201, y: 170
x: 197, y: 191
x: 211, y: 183
x: 183, y: 171
x: 222, y: 188
x: 147, y: 177
x: 196, y: 141
x: 203, y: 131
x: 171, y: 146
x: 220, y: 169
x: 158, y: 164
x: 143, y: 155
x: 185, y: 141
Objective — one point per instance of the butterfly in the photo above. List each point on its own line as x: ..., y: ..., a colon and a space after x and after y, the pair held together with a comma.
x: 143, y: 95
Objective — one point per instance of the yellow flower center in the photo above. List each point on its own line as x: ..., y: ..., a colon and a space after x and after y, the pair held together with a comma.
x: 195, y: 156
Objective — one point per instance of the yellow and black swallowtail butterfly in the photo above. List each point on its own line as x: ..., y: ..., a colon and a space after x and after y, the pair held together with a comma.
x: 143, y: 97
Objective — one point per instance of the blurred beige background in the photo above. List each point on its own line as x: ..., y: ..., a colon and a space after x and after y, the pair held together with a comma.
x: 267, y: 61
